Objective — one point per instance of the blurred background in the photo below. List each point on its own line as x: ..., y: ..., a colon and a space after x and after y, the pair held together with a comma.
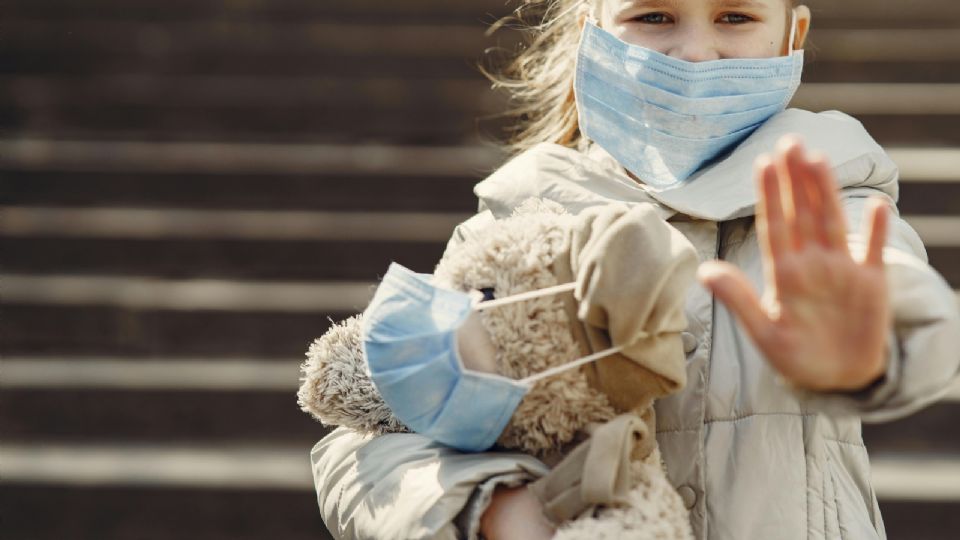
x: 191, y: 188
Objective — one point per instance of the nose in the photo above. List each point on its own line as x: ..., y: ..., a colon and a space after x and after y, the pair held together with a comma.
x: 695, y: 43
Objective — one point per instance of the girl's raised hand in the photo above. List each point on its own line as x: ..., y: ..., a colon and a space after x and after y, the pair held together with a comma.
x: 824, y: 317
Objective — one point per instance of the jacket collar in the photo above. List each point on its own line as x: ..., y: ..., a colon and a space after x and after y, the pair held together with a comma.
x: 722, y: 191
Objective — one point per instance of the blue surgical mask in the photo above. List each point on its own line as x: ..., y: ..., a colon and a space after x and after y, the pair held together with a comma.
x: 663, y: 118
x: 409, y: 334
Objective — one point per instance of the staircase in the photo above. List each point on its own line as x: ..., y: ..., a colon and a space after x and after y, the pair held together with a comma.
x: 191, y: 190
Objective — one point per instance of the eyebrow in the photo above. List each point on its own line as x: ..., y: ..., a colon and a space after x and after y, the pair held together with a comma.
x: 754, y: 4
x: 751, y: 4
x: 652, y: 3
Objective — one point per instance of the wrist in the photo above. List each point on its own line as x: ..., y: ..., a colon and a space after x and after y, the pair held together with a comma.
x: 858, y: 377
x: 869, y: 377
x: 514, y: 512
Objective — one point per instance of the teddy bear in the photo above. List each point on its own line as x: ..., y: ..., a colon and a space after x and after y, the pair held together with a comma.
x: 594, y: 425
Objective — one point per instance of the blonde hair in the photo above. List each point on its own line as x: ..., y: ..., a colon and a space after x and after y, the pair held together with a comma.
x: 539, y: 76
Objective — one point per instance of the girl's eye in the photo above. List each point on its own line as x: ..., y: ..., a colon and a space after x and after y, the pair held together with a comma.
x: 652, y: 18
x: 735, y: 18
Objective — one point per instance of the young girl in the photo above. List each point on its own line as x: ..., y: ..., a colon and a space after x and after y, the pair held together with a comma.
x: 679, y: 103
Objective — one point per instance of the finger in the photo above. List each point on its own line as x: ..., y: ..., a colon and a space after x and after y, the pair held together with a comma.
x: 807, y: 181
x: 771, y: 223
x: 731, y: 287
x: 799, y: 210
x: 876, y: 225
x: 831, y: 215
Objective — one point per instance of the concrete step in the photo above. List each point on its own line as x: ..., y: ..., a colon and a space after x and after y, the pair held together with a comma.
x: 169, y: 50
x: 29, y: 68
x: 90, y: 490
x: 266, y: 47
x: 156, y: 374
x: 52, y: 511
x: 449, y: 95
x: 253, y: 92
x: 209, y: 416
x: 288, y: 191
x: 246, y: 176
x: 933, y: 198
x: 927, y: 118
x: 105, y: 330
x: 311, y: 192
x: 903, y: 477
x: 947, y: 262
x: 274, y: 259
x: 186, y: 416
x: 327, y: 122
x: 220, y: 259
x: 928, y: 432
x: 452, y: 96
x: 324, y: 161
x: 862, y: 12
x: 420, y: 10
x: 937, y: 164
x: 187, y: 295
x: 920, y: 519
x: 887, y: 13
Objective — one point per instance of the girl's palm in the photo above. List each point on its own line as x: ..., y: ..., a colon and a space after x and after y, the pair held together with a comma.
x: 824, y: 316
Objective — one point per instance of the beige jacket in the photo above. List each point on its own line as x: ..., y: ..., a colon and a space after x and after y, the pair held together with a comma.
x: 750, y: 457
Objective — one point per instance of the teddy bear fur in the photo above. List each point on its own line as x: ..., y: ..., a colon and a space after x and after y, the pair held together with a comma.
x: 653, y: 510
x: 335, y: 387
x: 514, y: 256
x: 511, y: 256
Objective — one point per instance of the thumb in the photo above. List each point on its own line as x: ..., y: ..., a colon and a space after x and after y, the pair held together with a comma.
x: 729, y: 284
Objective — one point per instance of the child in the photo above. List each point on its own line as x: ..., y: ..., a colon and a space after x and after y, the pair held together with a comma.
x: 764, y: 442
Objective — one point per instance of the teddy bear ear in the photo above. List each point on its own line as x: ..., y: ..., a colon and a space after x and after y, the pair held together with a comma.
x: 335, y: 387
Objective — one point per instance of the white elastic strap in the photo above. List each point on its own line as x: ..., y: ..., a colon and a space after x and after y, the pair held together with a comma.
x: 793, y: 31
x: 556, y: 289
x: 571, y: 365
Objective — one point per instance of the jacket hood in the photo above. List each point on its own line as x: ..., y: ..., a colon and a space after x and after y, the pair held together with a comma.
x: 721, y: 191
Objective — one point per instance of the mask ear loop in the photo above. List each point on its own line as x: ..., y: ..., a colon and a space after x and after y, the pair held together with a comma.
x: 556, y: 289
x: 793, y: 32
x: 570, y: 365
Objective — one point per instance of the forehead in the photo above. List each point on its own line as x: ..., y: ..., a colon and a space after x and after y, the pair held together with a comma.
x: 677, y: 4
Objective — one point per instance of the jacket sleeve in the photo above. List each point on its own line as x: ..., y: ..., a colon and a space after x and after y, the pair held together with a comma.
x: 466, y: 229
x: 405, y: 486
x: 924, y: 341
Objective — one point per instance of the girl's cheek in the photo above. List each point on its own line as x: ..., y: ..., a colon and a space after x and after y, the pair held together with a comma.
x: 761, y: 46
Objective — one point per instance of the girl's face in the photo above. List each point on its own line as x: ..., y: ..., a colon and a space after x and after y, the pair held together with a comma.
x: 700, y: 30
